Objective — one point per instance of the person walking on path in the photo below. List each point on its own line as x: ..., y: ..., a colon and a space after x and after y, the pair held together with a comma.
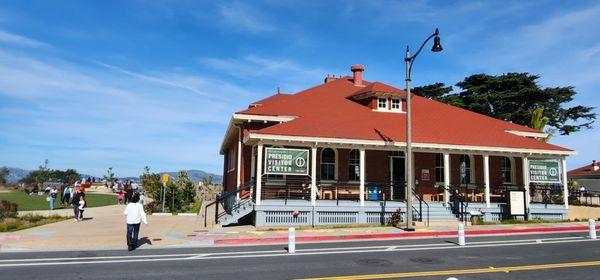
x: 135, y: 215
x: 66, y: 195
x: 53, y: 194
x: 81, y: 205
x: 75, y: 204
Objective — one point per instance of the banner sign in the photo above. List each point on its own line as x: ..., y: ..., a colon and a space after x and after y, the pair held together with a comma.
x: 282, y: 161
x: 544, y: 171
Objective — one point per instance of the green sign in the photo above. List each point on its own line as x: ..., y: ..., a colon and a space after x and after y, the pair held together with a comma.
x: 544, y: 171
x: 281, y: 161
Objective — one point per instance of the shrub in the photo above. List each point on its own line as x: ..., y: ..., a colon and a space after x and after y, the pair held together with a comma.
x: 396, y: 218
x: 8, y: 209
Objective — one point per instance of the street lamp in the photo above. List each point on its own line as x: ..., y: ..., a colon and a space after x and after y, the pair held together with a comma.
x: 410, y: 181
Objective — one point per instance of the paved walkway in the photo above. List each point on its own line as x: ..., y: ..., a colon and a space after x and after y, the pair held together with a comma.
x: 105, y: 229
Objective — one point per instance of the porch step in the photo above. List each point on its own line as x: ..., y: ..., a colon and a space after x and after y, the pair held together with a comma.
x: 239, y: 210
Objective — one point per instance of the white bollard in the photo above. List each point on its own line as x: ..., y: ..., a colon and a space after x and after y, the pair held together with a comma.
x: 461, y: 234
x: 291, y: 240
x: 592, y: 225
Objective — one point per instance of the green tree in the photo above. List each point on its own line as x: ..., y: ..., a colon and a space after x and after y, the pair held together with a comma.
x: 3, y: 174
x: 110, y: 176
x: 207, y: 181
x: 512, y: 97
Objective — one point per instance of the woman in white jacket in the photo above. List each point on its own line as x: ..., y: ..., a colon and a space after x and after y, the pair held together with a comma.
x: 135, y: 215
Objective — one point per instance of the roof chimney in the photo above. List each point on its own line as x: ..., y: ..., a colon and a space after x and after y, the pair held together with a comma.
x: 357, y: 70
x: 330, y: 78
x: 595, y: 167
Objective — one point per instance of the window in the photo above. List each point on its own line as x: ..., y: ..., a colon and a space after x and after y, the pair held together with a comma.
x: 231, y: 160
x: 327, y: 164
x: 354, y: 165
x: 439, y: 168
x: 396, y: 104
x: 382, y: 103
x: 465, y: 161
x: 506, y: 170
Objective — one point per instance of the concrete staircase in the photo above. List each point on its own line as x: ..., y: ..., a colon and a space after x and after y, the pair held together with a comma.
x: 239, y: 209
x: 438, y: 213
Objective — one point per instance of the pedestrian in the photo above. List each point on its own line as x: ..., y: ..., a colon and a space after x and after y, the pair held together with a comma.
x: 75, y: 204
x: 128, y: 193
x: 81, y: 205
x: 67, y: 195
x: 53, y: 194
x: 120, y: 197
x: 135, y: 214
x: 142, y: 198
x: 61, y: 193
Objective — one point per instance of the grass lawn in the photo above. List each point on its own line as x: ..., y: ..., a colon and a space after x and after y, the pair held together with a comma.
x: 38, y: 202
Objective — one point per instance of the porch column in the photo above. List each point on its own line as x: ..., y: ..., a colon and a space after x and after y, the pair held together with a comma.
x: 565, y: 182
x: 526, y: 181
x: 486, y: 179
x: 446, y: 178
x: 362, y: 177
x: 313, y: 175
x: 239, y: 162
x: 259, y: 173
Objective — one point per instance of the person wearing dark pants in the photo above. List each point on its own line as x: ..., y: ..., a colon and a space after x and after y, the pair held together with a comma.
x: 75, y: 203
x: 135, y: 215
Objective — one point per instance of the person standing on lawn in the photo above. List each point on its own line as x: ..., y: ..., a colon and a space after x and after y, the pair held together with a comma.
x: 53, y: 194
x: 135, y: 215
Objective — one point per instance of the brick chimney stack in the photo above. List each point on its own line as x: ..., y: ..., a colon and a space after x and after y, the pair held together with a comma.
x: 357, y: 71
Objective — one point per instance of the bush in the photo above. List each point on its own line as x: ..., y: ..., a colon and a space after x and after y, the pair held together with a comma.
x: 395, y: 219
x: 8, y: 209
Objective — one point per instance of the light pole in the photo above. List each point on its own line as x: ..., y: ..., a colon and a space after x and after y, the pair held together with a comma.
x: 410, y: 181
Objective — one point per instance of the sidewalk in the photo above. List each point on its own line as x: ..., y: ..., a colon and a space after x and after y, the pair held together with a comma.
x: 106, y: 230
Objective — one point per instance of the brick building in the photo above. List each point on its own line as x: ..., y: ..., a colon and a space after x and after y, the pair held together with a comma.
x: 353, y: 133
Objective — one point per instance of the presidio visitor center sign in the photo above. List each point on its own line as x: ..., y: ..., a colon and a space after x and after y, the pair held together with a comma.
x: 544, y: 171
x: 282, y: 161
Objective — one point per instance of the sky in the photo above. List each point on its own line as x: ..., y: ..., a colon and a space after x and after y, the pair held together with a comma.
x: 125, y: 84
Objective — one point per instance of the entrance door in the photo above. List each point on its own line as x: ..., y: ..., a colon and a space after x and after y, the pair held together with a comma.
x: 397, y: 177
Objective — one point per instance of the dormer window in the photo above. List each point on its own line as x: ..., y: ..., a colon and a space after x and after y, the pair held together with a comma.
x: 396, y: 105
x: 382, y: 104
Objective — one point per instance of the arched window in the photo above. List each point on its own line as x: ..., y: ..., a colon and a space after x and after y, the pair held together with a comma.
x: 465, y: 161
x: 506, y: 170
x: 354, y: 165
x: 328, y: 164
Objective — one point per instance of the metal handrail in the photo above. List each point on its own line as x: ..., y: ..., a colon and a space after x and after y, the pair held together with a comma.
x: 421, y: 202
x: 459, y: 203
x: 221, y: 198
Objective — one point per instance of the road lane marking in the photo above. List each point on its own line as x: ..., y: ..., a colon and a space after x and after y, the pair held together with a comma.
x: 272, y: 253
x: 454, y: 272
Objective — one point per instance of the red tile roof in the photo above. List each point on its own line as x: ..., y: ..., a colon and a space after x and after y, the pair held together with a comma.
x: 585, y: 170
x: 375, y: 88
x: 325, y: 111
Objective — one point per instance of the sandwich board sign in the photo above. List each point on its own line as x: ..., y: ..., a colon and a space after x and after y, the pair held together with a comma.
x: 284, y: 161
x: 544, y: 171
x: 516, y: 203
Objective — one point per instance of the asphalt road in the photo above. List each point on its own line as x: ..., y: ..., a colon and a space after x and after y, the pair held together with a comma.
x: 543, y: 256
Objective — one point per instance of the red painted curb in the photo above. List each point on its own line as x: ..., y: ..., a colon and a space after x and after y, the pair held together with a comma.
x: 305, y: 239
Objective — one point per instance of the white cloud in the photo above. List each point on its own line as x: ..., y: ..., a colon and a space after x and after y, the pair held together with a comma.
x: 94, y: 117
x: 244, y: 17
x: 19, y: 40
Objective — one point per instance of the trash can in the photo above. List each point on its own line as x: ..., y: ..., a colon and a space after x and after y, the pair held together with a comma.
x: 374, y: 193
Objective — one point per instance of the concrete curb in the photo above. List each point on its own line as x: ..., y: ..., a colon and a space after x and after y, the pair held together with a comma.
x: 408, y: 235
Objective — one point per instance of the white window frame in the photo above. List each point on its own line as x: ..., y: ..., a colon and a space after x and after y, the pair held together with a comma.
x: 511, y: 161
x: 355, y: 164
x: 335, y: 165
x: 385, y: 103
x: 439, y: 180
x: 399, y: 109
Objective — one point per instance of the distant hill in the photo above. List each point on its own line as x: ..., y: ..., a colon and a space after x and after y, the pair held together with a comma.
x: 16, y: 174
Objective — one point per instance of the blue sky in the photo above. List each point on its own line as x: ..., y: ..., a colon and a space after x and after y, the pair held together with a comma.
x: 95, y: 84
